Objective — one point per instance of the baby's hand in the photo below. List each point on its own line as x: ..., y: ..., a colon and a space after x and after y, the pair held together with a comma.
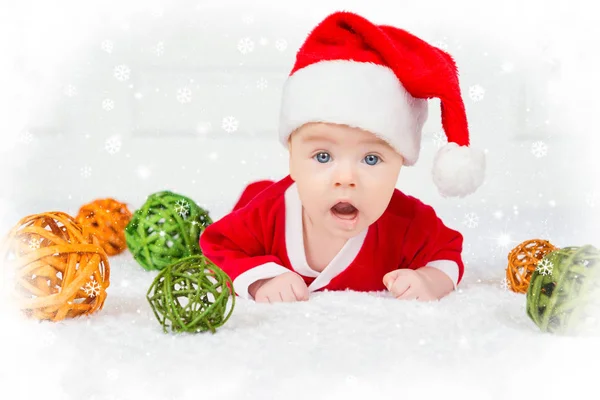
x: 287, y: 287
x: 425, y: 284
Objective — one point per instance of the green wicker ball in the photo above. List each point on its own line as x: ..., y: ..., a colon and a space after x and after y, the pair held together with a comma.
x: 191, y: 295
x: 563, y: 292
x: 165, y: 229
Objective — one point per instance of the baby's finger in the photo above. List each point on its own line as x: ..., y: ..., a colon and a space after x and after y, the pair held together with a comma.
x: 261, y: 298
x: 273, y: 297
x: 287, y: 295
x: 399, y: 286
x: 390, y: 277
x: 300, y: 291
x: 410, y: 294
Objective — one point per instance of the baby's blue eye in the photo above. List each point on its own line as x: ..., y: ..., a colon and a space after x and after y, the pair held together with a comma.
x: 371, y: 159
x: 323, y: 157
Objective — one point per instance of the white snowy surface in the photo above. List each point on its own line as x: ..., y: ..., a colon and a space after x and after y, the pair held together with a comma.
x: 477, y: 343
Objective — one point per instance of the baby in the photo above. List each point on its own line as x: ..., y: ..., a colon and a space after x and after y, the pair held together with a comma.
x: 352, y: 113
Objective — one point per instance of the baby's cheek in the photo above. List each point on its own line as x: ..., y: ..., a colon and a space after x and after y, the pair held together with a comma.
x: 373, y: 211
x: 365, y: 220
x: 314, y: 202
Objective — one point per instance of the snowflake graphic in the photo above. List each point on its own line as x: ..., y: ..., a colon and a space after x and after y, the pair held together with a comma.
x: 245, y: 45
x: 230, y: 124
x: 281, y: 44
x: 248, y: 19
x: 70, y: 91
x: 108, y: 104
x: 505, y: 284
x: 122, y: 72
x: 107, y: 46
x: 113, y: 145
x: 184, y: 95
x: 263, y: 41
x: 203, y: 128
x: 92, y: 288
x: 539, y: 149
x: 35, y: 244
x: 440, y: 44
x: 262, y: 84
x: 440, y: 139
x: 159, y: 49
x: 471, y: 220
x: 182, y: 207
x: 544, y: 267
x: 86, y: 171
x: 585, y: 262
x: 476, y: 92
x: 26, y: 137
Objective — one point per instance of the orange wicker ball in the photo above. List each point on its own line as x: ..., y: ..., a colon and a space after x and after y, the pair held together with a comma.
x: 522, y: 262
x: 55, y: 269
x: 106, y: 219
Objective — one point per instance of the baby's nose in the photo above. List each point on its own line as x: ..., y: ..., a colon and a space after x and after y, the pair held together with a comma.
x: 345, y: 176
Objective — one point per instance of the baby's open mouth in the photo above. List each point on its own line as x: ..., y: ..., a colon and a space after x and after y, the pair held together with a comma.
x: 344, y: 210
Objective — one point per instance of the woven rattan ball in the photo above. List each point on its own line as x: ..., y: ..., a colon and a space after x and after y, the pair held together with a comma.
x: 106, y: 219
x: 522, y: 261
x: 56, y: 269
x: 191, y: 295
x: 165, y: 229
x: 563, y: 294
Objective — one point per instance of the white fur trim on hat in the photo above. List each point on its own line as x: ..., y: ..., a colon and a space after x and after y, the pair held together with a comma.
x: 358, y: 94
x: 458, y: 170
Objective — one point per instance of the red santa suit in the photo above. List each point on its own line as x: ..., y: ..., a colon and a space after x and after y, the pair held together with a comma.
x: 263, y: 237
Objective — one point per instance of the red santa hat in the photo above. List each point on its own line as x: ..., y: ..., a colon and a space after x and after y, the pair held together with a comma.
x: 378, y: 78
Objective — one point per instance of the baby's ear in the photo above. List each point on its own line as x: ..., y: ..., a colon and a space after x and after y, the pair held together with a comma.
x: 291, y: 168
x: 290, y: 136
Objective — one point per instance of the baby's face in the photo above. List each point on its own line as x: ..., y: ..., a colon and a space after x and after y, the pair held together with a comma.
x: 345, y: 176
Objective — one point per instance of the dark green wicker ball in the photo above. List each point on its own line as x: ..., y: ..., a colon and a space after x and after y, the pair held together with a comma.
x: 562, y: 294
x: 191, y: 295
x: 165, y: 229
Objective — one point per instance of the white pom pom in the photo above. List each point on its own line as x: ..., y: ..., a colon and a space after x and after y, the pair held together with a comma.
x: 458, y: 170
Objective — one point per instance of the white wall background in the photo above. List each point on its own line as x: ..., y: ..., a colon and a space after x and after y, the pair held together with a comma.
x: 75, y: 129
